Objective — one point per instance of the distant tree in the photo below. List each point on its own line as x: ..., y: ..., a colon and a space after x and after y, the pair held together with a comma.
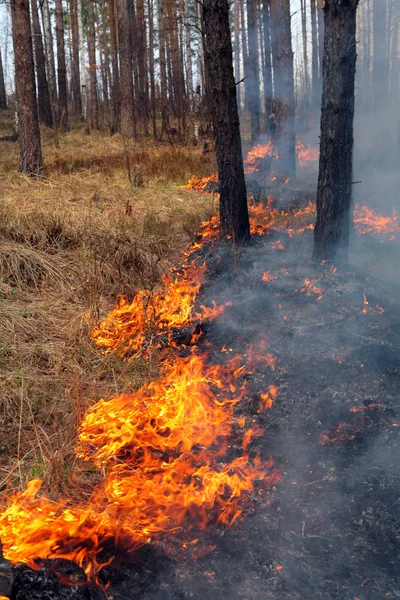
x: 49, y: 52
x: 44, y: 103
x: 61, y: 69
x: 75, y: 62
x: 316, y: 89
x: 282, y: 55
x: 331, y: 235
x: 115, y: 89
x: 218, y: 56
x: 128, y: 123
x: 94, y: 101
x: 268, y: 96
x: 3, y: 97
x: 253, y: 72
x: 31, y: 161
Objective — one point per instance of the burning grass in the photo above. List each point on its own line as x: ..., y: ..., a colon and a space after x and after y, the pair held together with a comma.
x: 68, y: 244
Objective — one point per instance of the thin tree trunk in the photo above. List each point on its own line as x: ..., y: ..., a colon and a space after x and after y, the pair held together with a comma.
x: 94, y: 101
x: 233, y: 202
x: 31, y: 161
x: 128, y: 125
x: 151, y: 66
x: 103, y: 69
x: 253, y: 73
x: 49, y: 50
x: 331, y: 235
x: 82, y: 81
x: 306, y: 90
x: 245, y: 59
x: 163, y: 67
x: 237, y: 50
x: 284, y: 85
x: 61, y: 69
x: 268, y: 65
x: 316, y: 90
x: 141, y: 51
x: 321, y: 34
x: 44, y: 104
x: 115, y: 94
x: 106, y: 62
x: 189, y: 68
x: 3, y: 97
x: 75, y: 67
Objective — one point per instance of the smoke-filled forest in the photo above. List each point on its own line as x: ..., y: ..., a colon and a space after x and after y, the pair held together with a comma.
x: 199, y: 299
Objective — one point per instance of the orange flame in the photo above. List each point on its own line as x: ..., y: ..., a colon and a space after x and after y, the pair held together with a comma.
x: 306, y: 154
x: 367, y: 221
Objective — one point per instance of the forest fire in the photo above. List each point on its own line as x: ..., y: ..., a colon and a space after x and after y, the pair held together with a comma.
x: 367, y: 221
x: 306, y: 154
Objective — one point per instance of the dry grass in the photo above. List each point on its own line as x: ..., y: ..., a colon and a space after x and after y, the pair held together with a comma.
x: 108, y: 218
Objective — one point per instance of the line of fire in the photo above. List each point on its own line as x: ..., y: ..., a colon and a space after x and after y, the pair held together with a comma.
x: 253, y: 452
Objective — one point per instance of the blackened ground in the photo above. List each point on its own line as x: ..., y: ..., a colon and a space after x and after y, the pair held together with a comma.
x: 330, y: 529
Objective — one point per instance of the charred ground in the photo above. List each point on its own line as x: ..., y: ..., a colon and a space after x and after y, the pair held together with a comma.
x: 330, y: 527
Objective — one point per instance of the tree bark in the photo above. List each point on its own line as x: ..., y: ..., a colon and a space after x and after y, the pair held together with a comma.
x: 282, y: 55
x: 75, y: 66
x: 316, y: 88
x: 3, y: 97
x: 115, y: 94
x: 31, y: 161
x: 44, y: 104
x: 61, y: 69
x: 218, y: 55
x: 331, y: 235
x: 49, y: 50
x: 94, y: 101
x: 163, y: 67
x: 128, y: 125
x: 268, y: 94
x: 253, y: 73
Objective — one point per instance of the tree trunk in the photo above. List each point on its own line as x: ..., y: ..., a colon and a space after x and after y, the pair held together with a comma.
x: 245, y: 59
x: 128, y: 125
x: 321, y: 35
x: 331, y: 235
x: 82, y: 81
x: 268, y: 65
x: 233, y: 202
x: 3, y: 97
x: 107, y: 62
x: 237, y: 50
x: 163, y: 67
x: 140, y: 45
x: 76, y: 89
x: 94, y: 101
x: 189, y: 67
x: 115, y: 95
x: 31, y: 161
x: 284, y: 85
x: 49, y: 51
x: 253, y: 73
x: 316, y: 89
x: 61, y: 69
x: 306, y: 90
x: 44, y: 104
x: 151, y: 66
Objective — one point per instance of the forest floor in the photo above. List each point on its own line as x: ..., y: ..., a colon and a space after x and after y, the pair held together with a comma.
x: 329, y: 528
x: 108, y: 218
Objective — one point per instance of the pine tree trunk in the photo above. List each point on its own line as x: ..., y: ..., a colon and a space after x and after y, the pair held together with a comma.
x: 3, y: 97
x: 115, y: 88
x: 237, y: 51
x: 61, y: 70
x: 44, y: 104
x: 49, y: 51
x: 316, y: 89
x: 76, y: 90
x: 233, y: 202
x: 268, y: 65
x: 253, y: 74
x: 141, y: 52
x: 189, y: 67
x: 151, y: 68
x: 94, y: 101
x: 82, y: 81
x: 31, y: 161
x: 107, y: 62
x: 245, y: 57
x: 331, y: 235
x: 306, y: 90
x: 163, y: 67
x: 282, y: 55
x: 321, y: 34
x: 128, y: 125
